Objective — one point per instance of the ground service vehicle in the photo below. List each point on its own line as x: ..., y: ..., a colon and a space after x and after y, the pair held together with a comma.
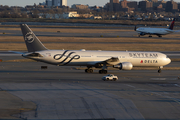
x: 110, y: 77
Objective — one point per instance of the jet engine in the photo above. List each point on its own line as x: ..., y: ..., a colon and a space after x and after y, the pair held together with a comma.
x: 124, y: 66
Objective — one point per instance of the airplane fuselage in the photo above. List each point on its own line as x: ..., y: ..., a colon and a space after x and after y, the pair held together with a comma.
x: 153, y: 31
x: 91, y: 58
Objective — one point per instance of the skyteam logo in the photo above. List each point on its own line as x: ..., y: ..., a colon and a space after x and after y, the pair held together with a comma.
x: 29, y: 37
x: 66, y: 57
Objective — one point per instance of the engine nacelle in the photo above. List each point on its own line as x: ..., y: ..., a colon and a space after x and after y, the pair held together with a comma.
x: 124, y: 66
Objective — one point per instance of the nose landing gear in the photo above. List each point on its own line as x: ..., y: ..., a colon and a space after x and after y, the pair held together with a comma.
x: 160, y: 69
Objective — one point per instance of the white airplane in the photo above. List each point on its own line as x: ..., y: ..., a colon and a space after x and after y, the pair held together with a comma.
x: 121, y: 60
x: 155, y: 31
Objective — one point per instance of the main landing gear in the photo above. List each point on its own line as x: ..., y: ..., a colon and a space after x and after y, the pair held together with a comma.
x: 89, y: 70
x: 102, y: 71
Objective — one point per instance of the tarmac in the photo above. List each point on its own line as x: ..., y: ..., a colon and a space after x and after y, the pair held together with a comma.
x: 61, y: 93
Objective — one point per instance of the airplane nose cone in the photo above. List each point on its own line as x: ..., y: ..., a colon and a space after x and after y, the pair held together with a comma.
x: 168, y: 60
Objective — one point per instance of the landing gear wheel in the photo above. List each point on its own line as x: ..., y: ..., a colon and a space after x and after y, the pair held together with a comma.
x: 150, y: 36
x: 89, y: 70
x: 102, y: 71
x: 159, y: 71
x: 105, y: 72
x: 114, y: 79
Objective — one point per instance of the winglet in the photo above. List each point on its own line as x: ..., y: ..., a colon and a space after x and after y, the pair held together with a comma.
x: 172, y: 24
x: 32, y: 42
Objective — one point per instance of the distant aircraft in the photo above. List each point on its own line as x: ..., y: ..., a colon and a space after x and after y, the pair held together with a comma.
x: 155, y: 31
x: 121, y: 60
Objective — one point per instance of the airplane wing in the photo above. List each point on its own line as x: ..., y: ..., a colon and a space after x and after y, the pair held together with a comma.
x: 17, y: 52
x: 109, y: 62
x: 112, y: 61
x: 151, y: 33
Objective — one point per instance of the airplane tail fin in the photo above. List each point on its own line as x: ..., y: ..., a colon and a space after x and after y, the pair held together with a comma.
x: 171, y: 26
x: 32, y: 42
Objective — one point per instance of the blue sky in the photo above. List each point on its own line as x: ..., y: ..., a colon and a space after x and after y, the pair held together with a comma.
x: 70, y: 2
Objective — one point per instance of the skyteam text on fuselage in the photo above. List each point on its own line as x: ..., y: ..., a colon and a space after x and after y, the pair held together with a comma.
x: 122, y: 60
x: 155, y: 31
